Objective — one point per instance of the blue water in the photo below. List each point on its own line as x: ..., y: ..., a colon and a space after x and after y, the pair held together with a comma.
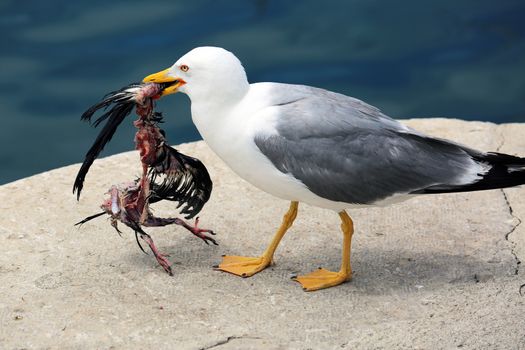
x: 412, y: 58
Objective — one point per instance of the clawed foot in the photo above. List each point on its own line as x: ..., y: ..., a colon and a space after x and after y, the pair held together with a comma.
x: 200, y: 233
x: 322, y: 278
x: 161, y: 258
x: 242, y: 265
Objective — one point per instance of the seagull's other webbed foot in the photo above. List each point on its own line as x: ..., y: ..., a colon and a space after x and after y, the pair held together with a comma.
x: 322, y: 278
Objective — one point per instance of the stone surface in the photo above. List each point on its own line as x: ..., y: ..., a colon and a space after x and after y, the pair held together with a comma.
x: 436, y: 272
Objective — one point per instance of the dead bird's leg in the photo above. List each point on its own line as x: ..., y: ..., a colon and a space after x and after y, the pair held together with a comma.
x: 153, y: 221
x: 199, y: 232
x: 161, y: 258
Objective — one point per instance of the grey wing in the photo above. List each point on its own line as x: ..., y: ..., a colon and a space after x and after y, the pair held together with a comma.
x: 350, y: 152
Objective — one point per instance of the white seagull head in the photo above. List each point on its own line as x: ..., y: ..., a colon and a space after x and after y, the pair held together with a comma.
x: 205, y: 73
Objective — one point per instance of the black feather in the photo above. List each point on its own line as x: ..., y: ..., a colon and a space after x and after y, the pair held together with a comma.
x: 116, y: 115
x: 138, y: 230
x: 117, y: 96
x: 89, y: 218
x: 138, y: 242
x: 186, y: 181
x: 122, y: 108
x: 505, y: 171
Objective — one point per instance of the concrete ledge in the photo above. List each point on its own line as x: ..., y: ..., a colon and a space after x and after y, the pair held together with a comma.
x: 438, y: 271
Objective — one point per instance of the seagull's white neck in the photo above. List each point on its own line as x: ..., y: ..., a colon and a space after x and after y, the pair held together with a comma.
x: 211, y: 109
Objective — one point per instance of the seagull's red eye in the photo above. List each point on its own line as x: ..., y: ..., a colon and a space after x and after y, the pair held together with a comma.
x: 184, y: 68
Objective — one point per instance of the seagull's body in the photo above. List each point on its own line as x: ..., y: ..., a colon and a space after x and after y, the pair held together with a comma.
x: 305, y: 144
x: 233, y: 134
x: 280, y: 138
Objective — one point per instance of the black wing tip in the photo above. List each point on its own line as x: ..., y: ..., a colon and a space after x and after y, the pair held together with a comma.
x: 77, y: 186
x: 496, y: 158
x: 114, y: 117
x: 506, y: 171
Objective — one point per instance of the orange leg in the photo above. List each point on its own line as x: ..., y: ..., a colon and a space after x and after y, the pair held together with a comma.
x: 248, y: 266
x: 321, y: 278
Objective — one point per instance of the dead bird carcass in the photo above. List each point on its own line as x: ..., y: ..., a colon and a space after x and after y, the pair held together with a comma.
x: 166, y: 173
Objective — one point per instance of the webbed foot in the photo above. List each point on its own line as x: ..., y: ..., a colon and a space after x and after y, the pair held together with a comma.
x: 243, y: 266
x: 322, y: 278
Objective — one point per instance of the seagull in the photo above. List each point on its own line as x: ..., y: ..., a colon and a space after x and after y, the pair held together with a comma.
x: 309, y: 145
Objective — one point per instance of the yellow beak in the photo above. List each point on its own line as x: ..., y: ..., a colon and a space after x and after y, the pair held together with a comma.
x: 162, y: 77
